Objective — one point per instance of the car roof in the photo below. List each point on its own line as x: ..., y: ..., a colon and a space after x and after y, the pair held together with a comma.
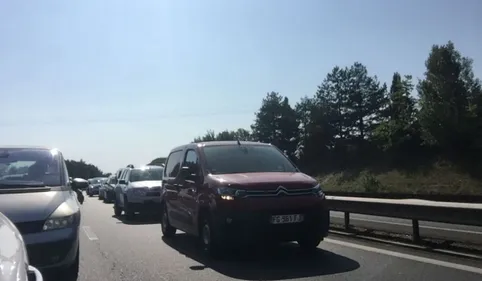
x: 148, y: 167
x: 25, y: 147
x: 219, y: 143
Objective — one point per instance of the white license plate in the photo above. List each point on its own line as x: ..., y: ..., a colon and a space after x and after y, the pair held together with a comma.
x: 282, y: 219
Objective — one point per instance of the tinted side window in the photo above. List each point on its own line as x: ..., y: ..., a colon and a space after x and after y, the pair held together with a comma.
x: 64, y: 170
x: 173, y: 164
x: 126, y: 174
x: 123, y: 175
x: 191, y: 160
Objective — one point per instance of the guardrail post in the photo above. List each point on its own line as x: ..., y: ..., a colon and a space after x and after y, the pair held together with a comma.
x: 347, y: 220
x: 416, y: 231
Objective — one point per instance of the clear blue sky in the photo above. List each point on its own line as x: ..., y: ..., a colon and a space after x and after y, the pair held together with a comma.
x: 118, y: 82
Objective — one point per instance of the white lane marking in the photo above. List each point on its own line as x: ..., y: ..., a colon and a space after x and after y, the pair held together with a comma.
x: 407, y: 256
x: 421, y: 226
x: 90, y: 234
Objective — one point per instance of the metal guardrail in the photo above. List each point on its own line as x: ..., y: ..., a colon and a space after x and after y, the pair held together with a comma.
x: 462, y: 198
x: 412, y: 209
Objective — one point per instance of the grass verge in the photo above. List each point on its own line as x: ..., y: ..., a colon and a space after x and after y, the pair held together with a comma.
x: 438, y: 179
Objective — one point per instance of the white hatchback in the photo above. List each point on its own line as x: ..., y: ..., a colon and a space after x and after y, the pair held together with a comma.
x: 14, y: 264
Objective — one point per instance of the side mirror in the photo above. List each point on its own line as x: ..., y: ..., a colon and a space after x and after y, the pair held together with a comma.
x: 122, y: 182
x: 79, y: 184
x: 187, y: 174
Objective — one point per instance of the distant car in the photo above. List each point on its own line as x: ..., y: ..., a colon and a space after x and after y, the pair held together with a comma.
x: 120, y: 185
x: 141, y: 191
x: 94, y: 185
x: 106, y: 190
x: 43, y: 205
x: 13, y: 255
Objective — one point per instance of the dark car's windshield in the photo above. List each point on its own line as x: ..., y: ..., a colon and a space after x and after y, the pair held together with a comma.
x: 146, y: 174
x: 232, y: 159
x: 24, y: 167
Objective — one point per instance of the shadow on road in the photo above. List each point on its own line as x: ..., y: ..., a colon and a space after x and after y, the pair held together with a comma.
x: 138, y: 219
x: 273, y: 263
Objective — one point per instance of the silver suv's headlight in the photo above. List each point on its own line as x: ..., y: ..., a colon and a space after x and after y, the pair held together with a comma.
x: 62, y: 217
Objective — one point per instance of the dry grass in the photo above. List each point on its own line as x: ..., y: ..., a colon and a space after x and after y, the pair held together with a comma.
x: 439, y: 179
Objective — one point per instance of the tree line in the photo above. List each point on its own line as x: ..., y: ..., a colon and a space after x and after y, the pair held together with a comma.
x: 81, y: 169
x: 76, y: 169
x: 354, y: 121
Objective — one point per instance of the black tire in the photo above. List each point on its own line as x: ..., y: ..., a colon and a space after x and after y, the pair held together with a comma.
x: 309, y: 242
x: 166, y: 227
x: 210, y: 240
x: 105, y: 200
x: 127, y: 209
x: 117, y: 209
x: 101, y: 196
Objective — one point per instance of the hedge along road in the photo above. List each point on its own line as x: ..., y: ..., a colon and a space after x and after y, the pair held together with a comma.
x: 114, y: 249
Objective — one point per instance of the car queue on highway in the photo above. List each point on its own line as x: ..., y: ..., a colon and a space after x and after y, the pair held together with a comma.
x: 216, y: 191
x: 222, y: 195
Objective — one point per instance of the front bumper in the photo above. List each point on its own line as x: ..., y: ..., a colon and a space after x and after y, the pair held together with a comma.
x: 146, y: 207
x: 52, y: 249
x: 144, y: 203
x: 247, y: 226
x: 94, y: 191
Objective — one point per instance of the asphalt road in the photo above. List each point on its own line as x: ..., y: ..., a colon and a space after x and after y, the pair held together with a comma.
x: 113, y: 249
x: 462, y: 233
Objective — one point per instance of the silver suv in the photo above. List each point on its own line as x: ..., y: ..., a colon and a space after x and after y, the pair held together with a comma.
x: 139, y: 190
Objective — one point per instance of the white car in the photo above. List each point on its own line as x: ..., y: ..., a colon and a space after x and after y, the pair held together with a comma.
x: 14, y: 264
x: 139, y: 190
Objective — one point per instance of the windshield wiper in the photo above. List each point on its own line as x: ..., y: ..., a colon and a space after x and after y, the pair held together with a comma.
x: 6, y: 188
x: 15, y: 185
x: 21, y: 183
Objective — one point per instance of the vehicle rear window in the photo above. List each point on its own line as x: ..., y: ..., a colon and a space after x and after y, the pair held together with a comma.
x: 147, y: 174
x: 232, y: 159
x: 27, y: 167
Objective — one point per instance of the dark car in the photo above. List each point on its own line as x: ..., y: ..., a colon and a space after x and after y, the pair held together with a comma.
x: 37, y: 196
x: 106, y: 191
x: 231, y: 192
x: 94, y: 185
